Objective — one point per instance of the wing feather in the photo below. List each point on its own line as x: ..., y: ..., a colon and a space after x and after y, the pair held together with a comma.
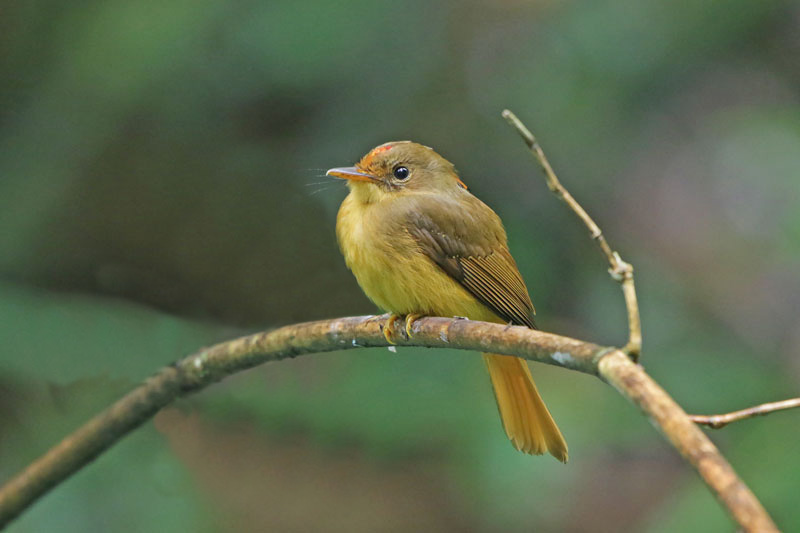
x: 476, y: 258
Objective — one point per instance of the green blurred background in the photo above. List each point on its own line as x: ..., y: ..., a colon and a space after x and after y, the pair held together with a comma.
x: 162, y: 188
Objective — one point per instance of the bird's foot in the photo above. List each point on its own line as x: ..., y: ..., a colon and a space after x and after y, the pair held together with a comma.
x: 388, y: 328
x: 410, y: 318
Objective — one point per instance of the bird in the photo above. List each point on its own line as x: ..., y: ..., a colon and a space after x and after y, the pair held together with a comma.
x: 419, y: 243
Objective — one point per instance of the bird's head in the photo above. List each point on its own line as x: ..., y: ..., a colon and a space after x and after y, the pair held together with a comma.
x: 399, y: 167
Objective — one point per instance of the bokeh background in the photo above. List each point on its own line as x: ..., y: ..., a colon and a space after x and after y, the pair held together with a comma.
x: 162, y: 188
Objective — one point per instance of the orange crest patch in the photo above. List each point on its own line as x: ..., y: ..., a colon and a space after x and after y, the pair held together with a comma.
x: 382, y: 148
x: 366, y: 161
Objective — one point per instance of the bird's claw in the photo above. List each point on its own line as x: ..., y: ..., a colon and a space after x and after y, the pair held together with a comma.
x: 410, y: 318
x: 387, y: 328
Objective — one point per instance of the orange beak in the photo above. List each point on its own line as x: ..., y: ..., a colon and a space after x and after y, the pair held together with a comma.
x: 350, y: 173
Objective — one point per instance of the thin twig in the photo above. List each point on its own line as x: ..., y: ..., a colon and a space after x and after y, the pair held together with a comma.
x: 630, y: 379
x: 213, y: 364
x: 619, y: 269
x: 720, y: 421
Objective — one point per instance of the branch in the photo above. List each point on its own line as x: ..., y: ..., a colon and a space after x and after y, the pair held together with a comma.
x: 720, y: 421
x: 213, y: 364
x: 709, y: 466
x: 620, y: 270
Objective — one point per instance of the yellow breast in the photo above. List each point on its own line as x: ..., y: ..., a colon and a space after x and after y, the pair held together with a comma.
x: 393, y: 272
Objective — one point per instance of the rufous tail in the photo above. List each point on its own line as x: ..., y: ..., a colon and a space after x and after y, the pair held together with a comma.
x: 526, y: 419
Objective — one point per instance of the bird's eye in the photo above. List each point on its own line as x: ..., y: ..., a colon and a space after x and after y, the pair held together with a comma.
x: 401, y: 173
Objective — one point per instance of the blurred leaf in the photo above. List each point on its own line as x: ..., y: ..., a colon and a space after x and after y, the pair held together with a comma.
x: 66, y: 337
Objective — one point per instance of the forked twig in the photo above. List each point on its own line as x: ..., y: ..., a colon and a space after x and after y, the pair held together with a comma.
x: 620, y: 271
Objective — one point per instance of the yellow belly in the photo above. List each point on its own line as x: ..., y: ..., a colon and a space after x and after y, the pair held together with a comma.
x: 395, y: 274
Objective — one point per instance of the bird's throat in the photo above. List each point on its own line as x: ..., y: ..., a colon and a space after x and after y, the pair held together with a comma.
x: 366, y: 193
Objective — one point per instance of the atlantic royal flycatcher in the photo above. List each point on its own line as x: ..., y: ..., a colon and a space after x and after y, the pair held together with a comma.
x: 419, y: 243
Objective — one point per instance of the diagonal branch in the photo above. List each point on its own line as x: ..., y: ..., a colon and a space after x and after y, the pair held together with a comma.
x: 215, y: 363
x: 720, y: 421
x: 619, y: 270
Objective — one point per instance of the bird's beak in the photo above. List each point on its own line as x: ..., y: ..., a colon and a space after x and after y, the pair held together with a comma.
x: 350, y: 173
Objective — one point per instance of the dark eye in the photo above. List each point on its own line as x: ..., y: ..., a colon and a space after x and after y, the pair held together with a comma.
x: 401, y: 173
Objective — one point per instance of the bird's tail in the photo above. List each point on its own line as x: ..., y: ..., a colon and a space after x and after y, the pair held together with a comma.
x: 526, y: 419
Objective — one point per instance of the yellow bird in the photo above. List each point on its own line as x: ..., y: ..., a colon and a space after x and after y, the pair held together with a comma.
x: 420, y: 244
